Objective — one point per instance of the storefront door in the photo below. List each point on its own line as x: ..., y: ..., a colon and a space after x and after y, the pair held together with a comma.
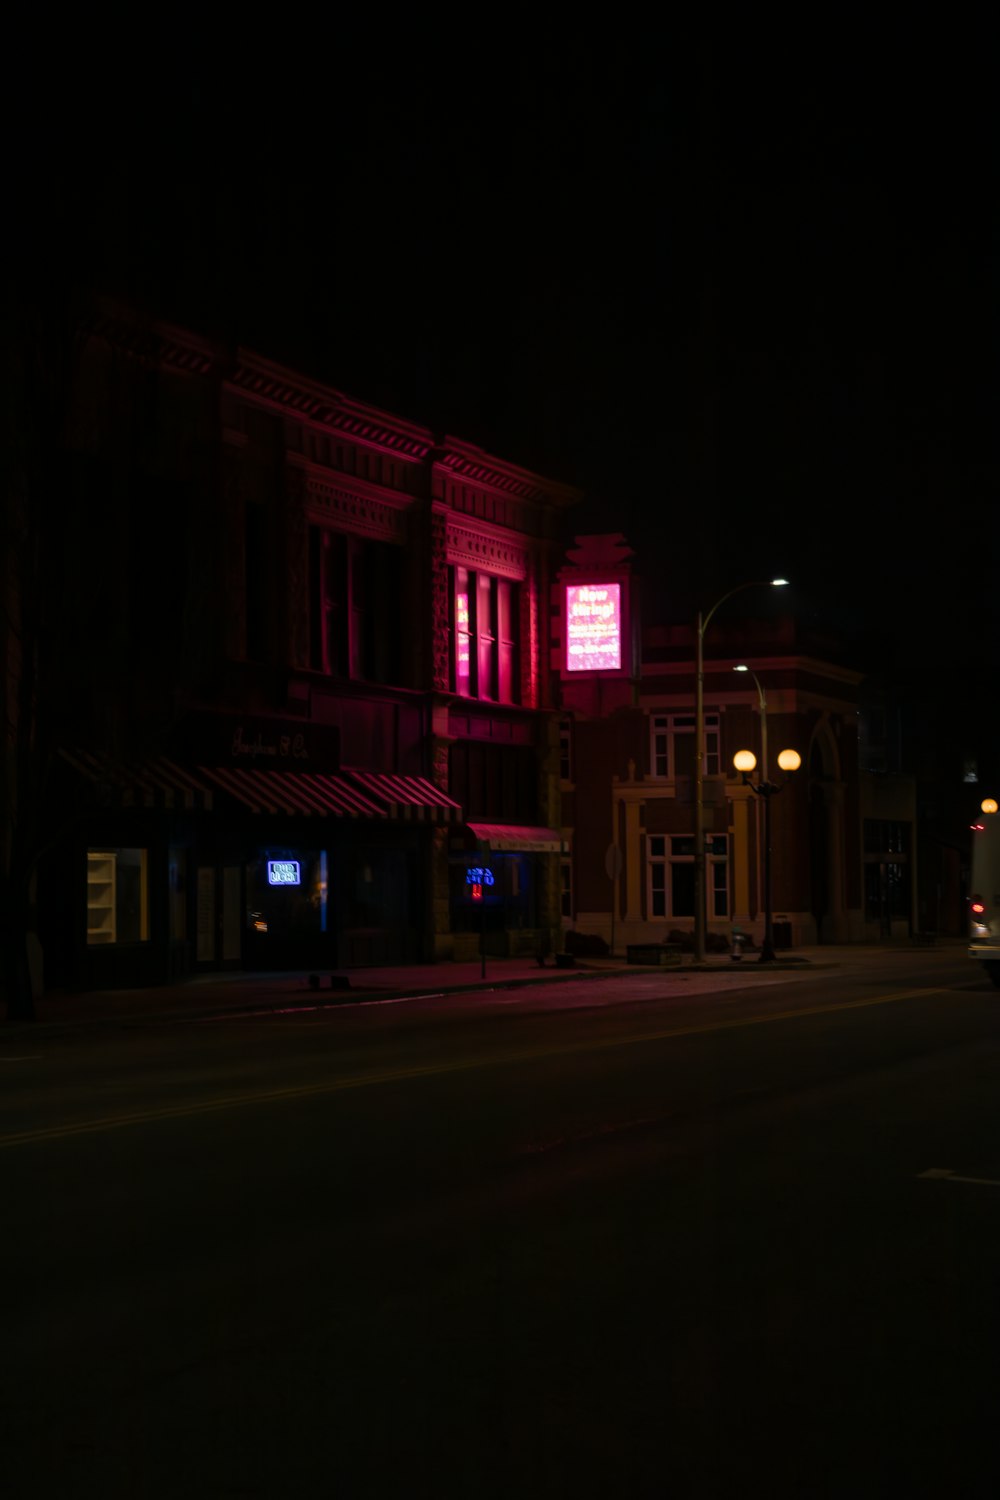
x: 219, y: 916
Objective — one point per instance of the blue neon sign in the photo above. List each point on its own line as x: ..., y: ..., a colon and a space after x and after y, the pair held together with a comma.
x: 283, y: 872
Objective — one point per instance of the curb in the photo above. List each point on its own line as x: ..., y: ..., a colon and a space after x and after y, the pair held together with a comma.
x: 335, y: 997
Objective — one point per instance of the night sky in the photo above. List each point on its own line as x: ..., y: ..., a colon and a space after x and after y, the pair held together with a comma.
x: 742, y: 292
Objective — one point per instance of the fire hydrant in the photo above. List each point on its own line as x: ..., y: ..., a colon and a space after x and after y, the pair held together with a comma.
x: 739, y: 938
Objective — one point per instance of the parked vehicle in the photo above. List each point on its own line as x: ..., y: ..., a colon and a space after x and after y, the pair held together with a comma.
x: 984, y: 903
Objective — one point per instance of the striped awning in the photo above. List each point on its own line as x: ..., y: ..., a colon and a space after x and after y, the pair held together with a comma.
x: 300, y: 793
x: 157, y: 782
x: 411, y: 798
x: 348, y: 793
x: 517, y: 837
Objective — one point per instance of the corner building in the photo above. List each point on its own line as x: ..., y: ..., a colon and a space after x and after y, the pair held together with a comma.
x: 627, y: 704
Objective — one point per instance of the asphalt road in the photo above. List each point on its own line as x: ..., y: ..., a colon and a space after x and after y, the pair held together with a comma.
x: 621, y: 1238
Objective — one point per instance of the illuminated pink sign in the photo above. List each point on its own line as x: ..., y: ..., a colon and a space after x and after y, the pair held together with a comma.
x: 593, y: 627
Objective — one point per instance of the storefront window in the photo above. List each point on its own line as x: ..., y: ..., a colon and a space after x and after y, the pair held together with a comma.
x: 287, y: 893
x: 506, y: 899
x: 117, y: 896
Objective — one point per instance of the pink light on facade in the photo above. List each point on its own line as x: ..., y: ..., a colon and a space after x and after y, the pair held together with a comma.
x: 593, y: 627
x: 462, y: 653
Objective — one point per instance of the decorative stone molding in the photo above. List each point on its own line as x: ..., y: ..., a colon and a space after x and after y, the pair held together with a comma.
x: 474, y: 548
x: 351, y: 511
x: 156, y: 345
x: 458, y: 463
x: 339, y: 414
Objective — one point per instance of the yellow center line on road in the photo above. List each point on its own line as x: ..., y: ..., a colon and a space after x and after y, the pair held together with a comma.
x: 460, y: 1065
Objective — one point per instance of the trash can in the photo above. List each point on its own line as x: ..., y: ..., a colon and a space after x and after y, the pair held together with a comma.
x: 782, y: 931
x: 739, y: 938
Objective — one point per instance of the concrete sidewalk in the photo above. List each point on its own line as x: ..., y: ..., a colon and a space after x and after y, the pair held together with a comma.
x: 235, y: 992
x: 241, y: 992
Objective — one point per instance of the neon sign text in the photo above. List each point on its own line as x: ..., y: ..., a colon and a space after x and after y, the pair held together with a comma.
x: 593, y: 627
x: 283, y: 872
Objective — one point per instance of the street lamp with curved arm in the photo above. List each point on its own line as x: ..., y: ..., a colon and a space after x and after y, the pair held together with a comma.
x: 699, y: 759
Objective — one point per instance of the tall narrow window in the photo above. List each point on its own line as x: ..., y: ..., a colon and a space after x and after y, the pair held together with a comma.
x: 257, y: 593
x: 463, y: 634
x: 355, y: 606
x: 328, y: 596
x: 507, y: 664
x: 565, y: 749
x: 359, y: 609
x: 717, y: 860
x: 657, y: 862
x: 486, y: 631
x: 566, y: 887
x: 485, y: 626
x: 659, y: 754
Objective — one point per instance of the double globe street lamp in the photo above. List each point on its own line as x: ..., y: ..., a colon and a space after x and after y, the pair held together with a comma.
x: 699, y: 759
x: 745, y: 762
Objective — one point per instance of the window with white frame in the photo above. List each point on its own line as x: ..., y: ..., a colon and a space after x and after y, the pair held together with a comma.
x: 672, y: 745
x: 670, y: 875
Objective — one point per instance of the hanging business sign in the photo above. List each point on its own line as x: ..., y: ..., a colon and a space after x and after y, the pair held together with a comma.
x: 593, y: 627
x: 283, y: 872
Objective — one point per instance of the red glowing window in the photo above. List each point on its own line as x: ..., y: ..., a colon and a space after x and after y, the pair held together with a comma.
x: 485, y: 636
x: 593, y: 627
x: 462, y: 654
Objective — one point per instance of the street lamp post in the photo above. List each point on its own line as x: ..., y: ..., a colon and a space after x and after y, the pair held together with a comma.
x: 762, y: 704
x: 699, y: 760
x: 745, y: 761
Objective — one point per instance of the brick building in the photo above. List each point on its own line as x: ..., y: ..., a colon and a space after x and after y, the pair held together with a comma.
x: 319, y: 687
x: 293, y: 677
x: 843, y: 846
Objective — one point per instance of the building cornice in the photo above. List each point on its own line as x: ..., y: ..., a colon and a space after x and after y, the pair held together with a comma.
x: 289, y: 393
x: 250, y: 376
x: 154, y: 344
x: 467, y: 464
x: 684, y: 667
